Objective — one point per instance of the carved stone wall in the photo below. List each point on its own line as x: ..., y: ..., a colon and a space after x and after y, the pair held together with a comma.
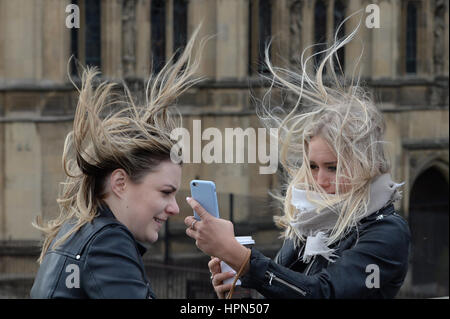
x: 37, y: 102
x: 440, y: 7
x: 129, y: 37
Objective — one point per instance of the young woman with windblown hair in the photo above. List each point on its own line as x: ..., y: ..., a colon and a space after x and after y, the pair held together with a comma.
x: 342, y: 236
x: 120, y: 188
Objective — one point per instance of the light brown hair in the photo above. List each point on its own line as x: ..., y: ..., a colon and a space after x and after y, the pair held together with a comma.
x: 110, y: 131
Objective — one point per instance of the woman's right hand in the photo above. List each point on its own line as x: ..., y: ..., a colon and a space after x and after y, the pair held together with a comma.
x: 218, y: 277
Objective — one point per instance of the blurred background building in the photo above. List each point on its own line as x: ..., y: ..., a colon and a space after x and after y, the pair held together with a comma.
x: 404, y: 65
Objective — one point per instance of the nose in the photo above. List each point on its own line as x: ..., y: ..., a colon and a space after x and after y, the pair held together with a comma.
x: 172, y: 208
x: 323, y: 179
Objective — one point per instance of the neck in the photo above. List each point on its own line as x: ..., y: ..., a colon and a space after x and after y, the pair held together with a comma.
x: 116, y: 208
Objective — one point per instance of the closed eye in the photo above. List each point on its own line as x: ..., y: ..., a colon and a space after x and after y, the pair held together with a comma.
x: 169, y: 190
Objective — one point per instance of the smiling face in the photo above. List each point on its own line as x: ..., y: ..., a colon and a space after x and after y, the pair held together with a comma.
x: 144, y: 207
x: 152, y: 202
x: 323, y: 163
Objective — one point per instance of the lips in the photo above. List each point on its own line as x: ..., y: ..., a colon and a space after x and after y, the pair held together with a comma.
x: 159, y: 220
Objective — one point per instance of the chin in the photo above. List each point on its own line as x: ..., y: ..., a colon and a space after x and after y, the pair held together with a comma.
x: 151, y: 238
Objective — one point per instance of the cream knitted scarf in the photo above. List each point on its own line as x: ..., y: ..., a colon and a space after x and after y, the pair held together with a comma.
x: 317, y: 226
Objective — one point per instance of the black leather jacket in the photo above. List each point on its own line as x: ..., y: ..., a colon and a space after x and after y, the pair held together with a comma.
x: 372, y: 263
x: 101, y: 260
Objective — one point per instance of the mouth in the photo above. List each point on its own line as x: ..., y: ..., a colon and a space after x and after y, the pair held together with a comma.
x: 159, y: 220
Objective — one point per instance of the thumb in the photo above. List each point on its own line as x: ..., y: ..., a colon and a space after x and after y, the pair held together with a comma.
x: 201, y: 212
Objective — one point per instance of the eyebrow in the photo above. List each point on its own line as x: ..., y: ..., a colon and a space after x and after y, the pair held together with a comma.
x: 171, y: 186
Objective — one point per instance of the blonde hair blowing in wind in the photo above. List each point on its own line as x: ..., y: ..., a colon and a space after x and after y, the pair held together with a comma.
x: 346, y: 118
x: 110, y: 131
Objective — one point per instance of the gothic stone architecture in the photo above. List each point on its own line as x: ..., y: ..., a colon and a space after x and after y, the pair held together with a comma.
x: 404, y: 65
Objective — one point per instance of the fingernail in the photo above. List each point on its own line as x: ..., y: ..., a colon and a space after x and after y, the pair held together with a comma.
x: 188, y: 199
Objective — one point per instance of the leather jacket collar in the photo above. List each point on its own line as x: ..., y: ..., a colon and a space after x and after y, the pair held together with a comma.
x: 105, y: 211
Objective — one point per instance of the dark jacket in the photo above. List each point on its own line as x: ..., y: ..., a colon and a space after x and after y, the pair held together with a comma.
x: 372, y: 263
x: 101, y: 260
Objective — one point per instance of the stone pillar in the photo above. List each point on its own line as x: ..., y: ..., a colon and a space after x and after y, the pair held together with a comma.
x: 143, y: 43
x: 29, y: 44
x: 425, y: 39
x: 2, y: 180
x: 205, y: 12
x: 232, y: 40
x: 22, y: 163
x: 446, y: 41
x: 308, y: 31
x: 111, y: 39
x: 128, y: 38
x: 296, y: 25
x: 330, y: 22
x: 440, y: 37
x: 2, y: 43
x: 280, y: 32
x: 169, y: 29
x: 22, y: 175
x: 52, y: 173
x: 361, y: 43
x: 56, y: 40
x: 385, y: 49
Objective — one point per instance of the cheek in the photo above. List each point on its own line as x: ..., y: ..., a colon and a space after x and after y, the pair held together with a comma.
x: 143, y: 209
x: 344, y: 185
x: 152, y: 209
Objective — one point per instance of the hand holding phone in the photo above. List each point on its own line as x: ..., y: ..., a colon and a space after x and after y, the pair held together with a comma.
x: 204, y: 192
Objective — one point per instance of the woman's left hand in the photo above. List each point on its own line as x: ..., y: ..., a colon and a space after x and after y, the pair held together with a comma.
x: 218, y: 277
x: 214, y: 236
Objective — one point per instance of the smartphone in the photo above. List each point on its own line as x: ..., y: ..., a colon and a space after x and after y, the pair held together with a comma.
x: 204, y: 192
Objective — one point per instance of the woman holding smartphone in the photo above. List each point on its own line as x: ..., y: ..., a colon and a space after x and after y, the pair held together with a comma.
x: 120, y: 188
x: 342, y: 236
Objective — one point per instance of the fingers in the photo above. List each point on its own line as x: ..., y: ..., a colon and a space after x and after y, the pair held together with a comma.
x: 219, y: 278
x: 201, y: 212
x: 217, y: 282
x: 222, y: 290
x: 214, y: 265
x: 190, y: 232
x: 189, y: 220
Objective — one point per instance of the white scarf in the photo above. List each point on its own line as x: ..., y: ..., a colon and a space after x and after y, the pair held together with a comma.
x: 315, y: 227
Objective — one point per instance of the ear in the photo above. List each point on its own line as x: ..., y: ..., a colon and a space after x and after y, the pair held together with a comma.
x: 118, y: 181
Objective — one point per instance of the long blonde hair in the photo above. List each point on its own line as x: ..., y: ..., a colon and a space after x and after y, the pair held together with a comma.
x: 110, y: 131
x: 344, y: 115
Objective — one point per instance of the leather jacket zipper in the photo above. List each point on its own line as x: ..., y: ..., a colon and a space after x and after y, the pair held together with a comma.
x: 272, y: 276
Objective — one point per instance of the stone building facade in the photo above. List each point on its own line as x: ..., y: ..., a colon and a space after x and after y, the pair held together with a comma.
x: 404, y: 65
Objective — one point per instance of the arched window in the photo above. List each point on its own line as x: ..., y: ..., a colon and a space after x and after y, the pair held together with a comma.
x: 93, y: 33
x: 428, y: 222
x: 411, y: 37
x: 158, y: 34
x: 320, y: 29
x: 180, y: 8
x: 339, y: 16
